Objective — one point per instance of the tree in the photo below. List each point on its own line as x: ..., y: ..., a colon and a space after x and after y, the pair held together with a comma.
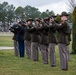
x: 44, y: 15
x: 20, y: 12
x: 1, y: 8
x: 72, y: 5
x: 51, y: 13
x: 6, y: 14
x: 32, y: 12
x: 74, y: 31
x: 47, y: 13
x: 10, y: 13
x: 70, y: 17
x: 58, y: 18
x: 3, y: 13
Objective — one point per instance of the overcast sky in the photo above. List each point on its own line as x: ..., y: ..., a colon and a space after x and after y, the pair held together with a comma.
x: 56, y: 5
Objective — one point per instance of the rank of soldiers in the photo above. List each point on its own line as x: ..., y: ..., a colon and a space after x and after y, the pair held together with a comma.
x: 37, y: 35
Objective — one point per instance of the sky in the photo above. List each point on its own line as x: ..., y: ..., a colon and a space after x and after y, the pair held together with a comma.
x: 56, y: 5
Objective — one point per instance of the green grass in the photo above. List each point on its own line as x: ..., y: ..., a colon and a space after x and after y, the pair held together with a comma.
x: 11, y: 65
x: 6, y: 41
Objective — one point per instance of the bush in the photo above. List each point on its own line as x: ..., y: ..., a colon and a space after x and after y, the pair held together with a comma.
x: 74, y: 31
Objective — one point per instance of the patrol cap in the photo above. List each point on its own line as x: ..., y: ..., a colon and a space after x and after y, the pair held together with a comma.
x: 46, y: 19
x: 52, y: 16
x: 64, y: 14
x: 30, y: 19
x: 37, y: 19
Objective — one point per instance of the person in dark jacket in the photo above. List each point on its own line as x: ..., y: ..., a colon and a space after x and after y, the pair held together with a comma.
x: 52, y: 40
x: 20, y: 38
x: 63, y: 31
x: 28, y: 38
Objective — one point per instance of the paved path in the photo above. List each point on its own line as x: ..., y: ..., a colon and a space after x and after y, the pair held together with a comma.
x: 6, y: 48
x: 6, y: 34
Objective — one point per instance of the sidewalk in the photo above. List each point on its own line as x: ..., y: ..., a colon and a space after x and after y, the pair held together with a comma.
x: 6, y: 48
x: 6, y: 34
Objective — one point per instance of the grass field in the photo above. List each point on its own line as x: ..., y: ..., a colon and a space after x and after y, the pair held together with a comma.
x: 11, y: 65
x: 6, y: 41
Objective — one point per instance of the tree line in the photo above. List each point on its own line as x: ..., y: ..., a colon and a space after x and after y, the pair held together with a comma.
x: 9, y: 12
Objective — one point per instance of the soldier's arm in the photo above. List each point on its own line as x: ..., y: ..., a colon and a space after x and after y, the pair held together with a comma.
x: 59, y: 26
